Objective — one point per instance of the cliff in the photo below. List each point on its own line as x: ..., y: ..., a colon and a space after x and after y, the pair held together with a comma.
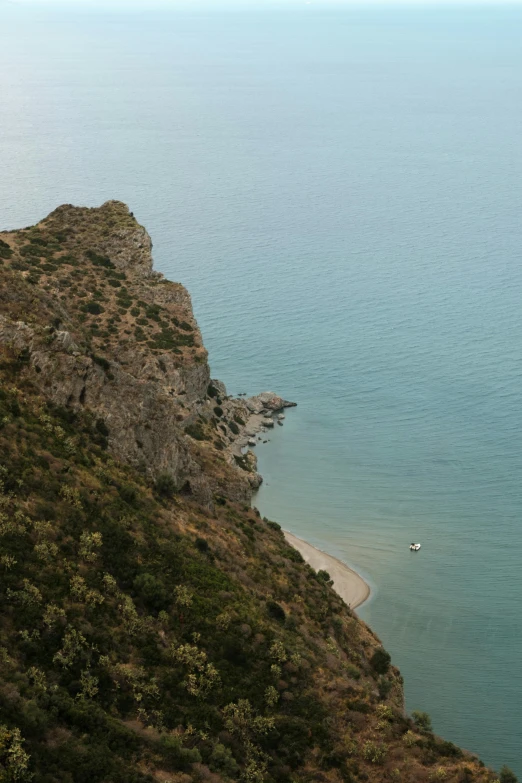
x: 152, y: 626
x: 104, y: 332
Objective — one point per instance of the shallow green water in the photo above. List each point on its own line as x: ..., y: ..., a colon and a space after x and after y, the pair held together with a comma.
x: 341, y: 192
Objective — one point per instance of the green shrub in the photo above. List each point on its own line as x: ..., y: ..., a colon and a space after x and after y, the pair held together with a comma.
x: 324, y: 576
x: 202, y: 544
x: 168, y: 340
x: 410, y: 738
x: 222, y: 760
x: 102, y: 428
x: 176, y: 756
x: 446, y: 748
x: 196, y: 431
x: 68, y: 259
x: 153, y: 312
x: 5, y: 250
x: 218, y: 411
x: 385, y: 687
x: 20, y: 266
x: 373, y: 752
x: 124, y: 299
x: 507, y: 776
x: 94, y: 308
x: 357, y: 705
x: 422, y: 720
x: 30, y: 250
x: 36, y: 239
x: 152, y: 591
x: 165, y: 485
x: 276, y: 611
x: 128, y: 493
x: 98, y: 260
x: 242, y: 462
x: 380, y: 661
x: 293, y: 554
x: 352, y: 671
x: 233, y: 427
x: 102, y: 362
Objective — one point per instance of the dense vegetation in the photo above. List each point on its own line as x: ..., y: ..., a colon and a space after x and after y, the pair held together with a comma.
x: 147, y: 636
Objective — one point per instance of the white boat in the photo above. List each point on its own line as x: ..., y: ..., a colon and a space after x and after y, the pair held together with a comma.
x: 415, y: 547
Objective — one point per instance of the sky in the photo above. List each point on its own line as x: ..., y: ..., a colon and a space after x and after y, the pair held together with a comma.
x: 144, y: 4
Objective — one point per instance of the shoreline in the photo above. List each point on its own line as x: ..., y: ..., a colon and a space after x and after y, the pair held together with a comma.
x: 264, y: 413
x: 347, y: 583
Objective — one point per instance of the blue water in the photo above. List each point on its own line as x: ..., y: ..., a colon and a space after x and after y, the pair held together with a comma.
x: 341, y: 191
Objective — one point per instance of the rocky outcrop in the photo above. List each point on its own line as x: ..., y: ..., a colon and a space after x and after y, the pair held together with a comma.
x: 110, y: 230
x: 110, y: 335
x: 267, y: 401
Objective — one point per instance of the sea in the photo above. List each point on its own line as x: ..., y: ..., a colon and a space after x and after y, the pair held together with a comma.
x: 340, y: 188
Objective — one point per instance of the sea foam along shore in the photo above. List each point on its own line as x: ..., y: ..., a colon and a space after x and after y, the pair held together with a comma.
x: 347, y: 583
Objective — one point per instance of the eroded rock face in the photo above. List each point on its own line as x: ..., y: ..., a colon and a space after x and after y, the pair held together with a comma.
x: 140, y: 416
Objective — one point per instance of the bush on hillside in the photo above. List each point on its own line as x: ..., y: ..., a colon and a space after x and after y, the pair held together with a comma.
x: 507, y: 776
x: 93, y: 308
x: 380, y: 661
x: 5, y: 250
x: 165, y: 485
x: 324, y: 576
x: 422, y: 720
x: 196, y: 431
x: 276, y: 611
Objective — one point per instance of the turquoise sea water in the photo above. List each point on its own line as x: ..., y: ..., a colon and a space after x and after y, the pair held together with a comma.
x: 341, y: 191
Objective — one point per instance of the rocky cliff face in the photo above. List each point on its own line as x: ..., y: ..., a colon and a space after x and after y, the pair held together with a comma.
x: 104, y: 332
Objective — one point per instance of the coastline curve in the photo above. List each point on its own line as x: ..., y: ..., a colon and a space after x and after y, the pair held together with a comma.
x: 347, y: 583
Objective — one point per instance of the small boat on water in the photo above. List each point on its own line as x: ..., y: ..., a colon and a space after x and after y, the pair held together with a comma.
x: 415, y: 547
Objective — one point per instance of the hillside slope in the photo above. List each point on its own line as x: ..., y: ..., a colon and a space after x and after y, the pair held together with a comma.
x: 152, y: 626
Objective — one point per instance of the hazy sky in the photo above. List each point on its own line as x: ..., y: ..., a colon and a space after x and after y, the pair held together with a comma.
x: 250, y: 3
x: 142, y: 6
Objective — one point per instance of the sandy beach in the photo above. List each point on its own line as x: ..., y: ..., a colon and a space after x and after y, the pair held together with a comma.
x: 347, y: 583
